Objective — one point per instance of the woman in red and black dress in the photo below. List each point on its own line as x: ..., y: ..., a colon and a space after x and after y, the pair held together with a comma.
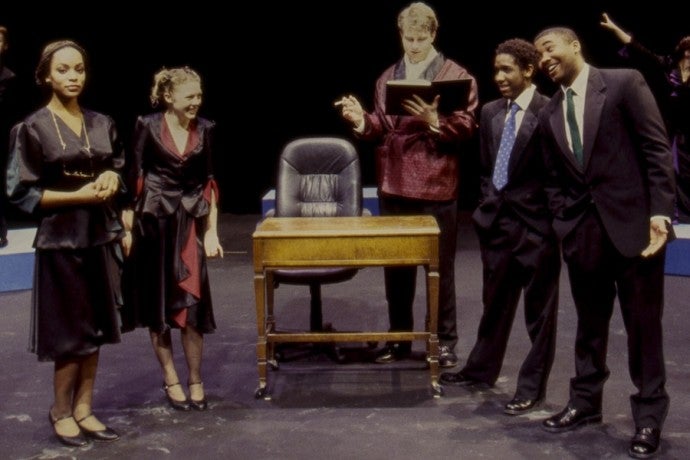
x: 174, y: 227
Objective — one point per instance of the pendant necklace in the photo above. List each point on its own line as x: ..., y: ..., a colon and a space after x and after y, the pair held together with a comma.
x: 86, y: 148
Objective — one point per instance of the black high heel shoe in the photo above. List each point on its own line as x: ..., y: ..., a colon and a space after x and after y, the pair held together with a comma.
x: 201, y: 404
x: 107, y: 434
x: 71, y: 441
x: 175, y: 404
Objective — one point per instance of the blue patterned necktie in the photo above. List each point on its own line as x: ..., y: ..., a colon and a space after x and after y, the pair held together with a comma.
x: 572, y: 125
x: 500, y: 177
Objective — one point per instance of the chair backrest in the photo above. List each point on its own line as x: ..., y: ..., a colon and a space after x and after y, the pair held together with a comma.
x: 319, y: 177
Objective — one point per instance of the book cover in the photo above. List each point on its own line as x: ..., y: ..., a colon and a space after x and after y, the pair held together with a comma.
x: 454, y: 94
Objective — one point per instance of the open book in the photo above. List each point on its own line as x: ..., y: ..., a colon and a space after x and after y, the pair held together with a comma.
x: 454, y: 94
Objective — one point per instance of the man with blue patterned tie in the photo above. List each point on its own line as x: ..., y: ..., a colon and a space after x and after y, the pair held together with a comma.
x: 519, y: 250
x: 612, y: 214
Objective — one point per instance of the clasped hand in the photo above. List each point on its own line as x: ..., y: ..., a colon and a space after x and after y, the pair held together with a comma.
x: 658, y: 235
x: 103, y: 188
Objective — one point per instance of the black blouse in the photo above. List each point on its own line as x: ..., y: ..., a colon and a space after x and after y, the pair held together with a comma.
x: 46, y: 154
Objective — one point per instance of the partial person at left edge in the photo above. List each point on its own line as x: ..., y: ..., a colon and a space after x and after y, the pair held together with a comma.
x: 64, y: 168
x: 7, y: 82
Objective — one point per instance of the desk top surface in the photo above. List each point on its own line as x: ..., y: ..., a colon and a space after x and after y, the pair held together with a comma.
x: 346, y: 226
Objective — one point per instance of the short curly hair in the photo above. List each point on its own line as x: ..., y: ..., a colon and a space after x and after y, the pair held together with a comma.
x: 418, y: 16
x: 524, y: 52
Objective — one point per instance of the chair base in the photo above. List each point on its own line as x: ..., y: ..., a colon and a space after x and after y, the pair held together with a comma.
x: 300, y: 351
x: 286, y: 352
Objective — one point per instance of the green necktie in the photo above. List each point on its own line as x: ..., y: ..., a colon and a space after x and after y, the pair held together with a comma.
x: 572, y: 125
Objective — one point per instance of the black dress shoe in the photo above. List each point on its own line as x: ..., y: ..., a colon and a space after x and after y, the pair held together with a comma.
x: 457, y: 379
x: 446, y: 357
x: 519, y: 406
x: 645, y: 443
x: 175, y: 404
x: 71, y: 441
x: 569, y: 419
x: 3, y: 242
x: 393, y: 352
x: 107, y: 434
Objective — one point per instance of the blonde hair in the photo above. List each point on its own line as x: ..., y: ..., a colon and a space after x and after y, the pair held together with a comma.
x: 418, y: 16
x: 165, y: 81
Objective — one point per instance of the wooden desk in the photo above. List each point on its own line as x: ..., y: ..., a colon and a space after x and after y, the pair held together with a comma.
x: 299, y: 242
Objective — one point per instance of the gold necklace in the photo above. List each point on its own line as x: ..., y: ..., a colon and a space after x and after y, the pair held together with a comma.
x: 83, y: 128
x: 71, y: 172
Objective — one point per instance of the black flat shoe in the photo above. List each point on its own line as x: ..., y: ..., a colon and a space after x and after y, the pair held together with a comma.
x: 569, y: 419
x: 519, y: 406
x: 107, y: 434
x: 70, y: 441
x: 645, y: 443
x: 200, y: 405
x: 175, y: 404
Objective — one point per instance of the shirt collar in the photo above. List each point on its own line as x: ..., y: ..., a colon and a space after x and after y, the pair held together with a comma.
x: 525, y: 97
x: 579, y: 85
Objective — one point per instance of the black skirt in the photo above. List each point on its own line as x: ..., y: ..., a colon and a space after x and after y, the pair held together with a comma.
x: 76, y: 301
x: 154, y: 270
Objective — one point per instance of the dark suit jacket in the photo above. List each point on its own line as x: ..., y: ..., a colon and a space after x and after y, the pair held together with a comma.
x: 628, y: 171
x: 524, y: 193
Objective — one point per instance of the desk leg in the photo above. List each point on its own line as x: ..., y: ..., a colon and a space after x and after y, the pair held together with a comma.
x: 432, y: 281
x: 261, y: 345
x: 270, y: 318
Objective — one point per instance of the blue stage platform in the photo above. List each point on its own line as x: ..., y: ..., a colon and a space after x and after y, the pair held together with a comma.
x: 678, y: 252
x: 17, y: 260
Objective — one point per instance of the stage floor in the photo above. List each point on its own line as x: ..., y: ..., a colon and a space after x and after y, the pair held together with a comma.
x: 320, y: 409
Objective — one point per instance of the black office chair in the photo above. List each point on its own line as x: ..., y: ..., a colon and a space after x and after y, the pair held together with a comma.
x: 317, y: 177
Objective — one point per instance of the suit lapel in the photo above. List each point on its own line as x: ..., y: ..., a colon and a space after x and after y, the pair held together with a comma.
x: 557, y: 122
x: 594, y: 104
x: 522, y: 137
x: 524, y: 134
x: 497, y: 122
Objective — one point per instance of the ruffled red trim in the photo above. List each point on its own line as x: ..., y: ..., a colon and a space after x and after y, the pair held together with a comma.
x: 180, y: 317
x: 189, y: 256
x: 140, y: 186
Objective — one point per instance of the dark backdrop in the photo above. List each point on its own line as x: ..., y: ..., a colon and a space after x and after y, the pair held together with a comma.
x: 272, y: 69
